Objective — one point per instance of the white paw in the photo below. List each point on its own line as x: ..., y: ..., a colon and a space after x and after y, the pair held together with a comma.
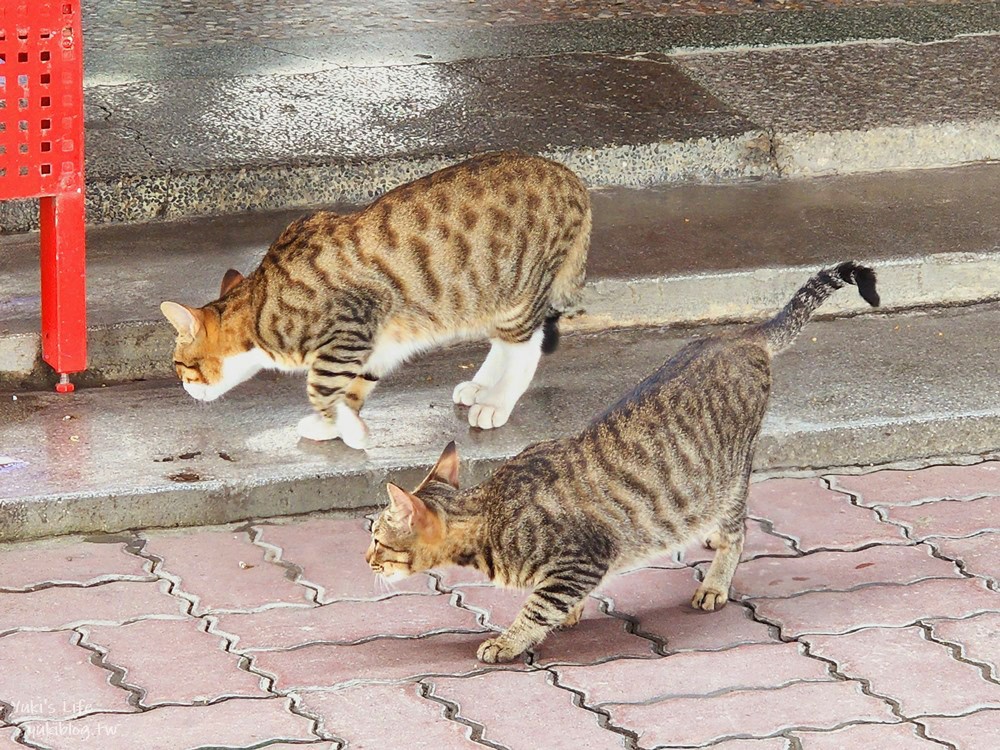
x: 353, y: 430
x: 488, y: 416
x: 465, y: 393
x: 314, y: 427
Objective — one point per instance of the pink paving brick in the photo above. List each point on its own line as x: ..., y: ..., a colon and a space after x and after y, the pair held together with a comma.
x: 980, y: 554
x: 822, y: 571
x: 347, y: 622
x: 7, y: 742
x: 64, y: 607
x: 693, y: 673
x: 867, y: 737
x: 887, y: 606
x: 775, y: 743
x: 660, y: 601
x: 899, y: 663
x: 818, y: 518
x: 497, y: 701
x: 933, y: 483
x: 758, y: 542
x: 387, y: 716
x: 173, y: 661
x: 47, y: 676
x: 680, y: 722
x: 597, y: 636
x: 223, y: 570
x: 240, y: 722
x: 977, y: 731
x: 978, y: 637
x: 949, y: 518
x: 381, y: 660
x: 29, y: 564
x: 331, y: 554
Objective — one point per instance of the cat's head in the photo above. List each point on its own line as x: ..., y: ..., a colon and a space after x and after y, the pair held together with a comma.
x: 209, y: 357
x: 411, y: 534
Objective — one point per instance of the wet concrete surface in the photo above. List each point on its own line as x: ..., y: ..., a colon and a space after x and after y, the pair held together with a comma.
x: 197, y: 109
x: 851, y: 392
x: 667, y: 255
x: 856, y: 87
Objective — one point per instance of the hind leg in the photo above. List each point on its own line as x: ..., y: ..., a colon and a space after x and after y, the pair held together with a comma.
x: 494, y: 404
x: 486, y: 377
x: 713, y: 593
x: 727, y: 541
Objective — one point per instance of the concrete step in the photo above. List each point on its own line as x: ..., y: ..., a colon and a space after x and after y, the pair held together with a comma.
x: 187, y: 124
x: 851, y: 392
x: 668, y: 255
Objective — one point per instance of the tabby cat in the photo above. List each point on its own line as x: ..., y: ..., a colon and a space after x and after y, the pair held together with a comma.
x: 668, y: 464
x: 493, y: 247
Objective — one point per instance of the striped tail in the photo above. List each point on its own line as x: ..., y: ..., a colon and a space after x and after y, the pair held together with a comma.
x: 782, y: 329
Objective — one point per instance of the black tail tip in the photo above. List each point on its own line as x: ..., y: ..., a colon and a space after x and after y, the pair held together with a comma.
x: 550, y: 333
x: 863, y: 277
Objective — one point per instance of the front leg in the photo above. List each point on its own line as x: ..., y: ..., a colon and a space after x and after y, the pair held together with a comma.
x: 337, y: 388
x: 554, y: 603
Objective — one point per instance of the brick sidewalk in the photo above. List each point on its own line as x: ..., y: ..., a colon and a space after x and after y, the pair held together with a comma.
x: 866, y: 615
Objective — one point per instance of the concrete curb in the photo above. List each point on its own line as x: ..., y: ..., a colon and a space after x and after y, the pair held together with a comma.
x: 755, y: 154
x: 141, y: 349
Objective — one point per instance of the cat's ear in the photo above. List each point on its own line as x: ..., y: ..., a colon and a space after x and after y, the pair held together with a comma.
x: 446, y: 468
x: 411, y: 511
x: 187, y: 320
x: 231, y: 279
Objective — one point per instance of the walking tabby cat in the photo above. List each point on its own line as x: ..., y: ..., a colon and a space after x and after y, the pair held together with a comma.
x: 493, y: 247
x: 668, y: 464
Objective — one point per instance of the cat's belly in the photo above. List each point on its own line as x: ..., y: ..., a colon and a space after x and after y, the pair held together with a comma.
x: 395, y: 344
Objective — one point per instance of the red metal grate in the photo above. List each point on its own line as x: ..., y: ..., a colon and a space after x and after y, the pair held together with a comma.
x: 41, y: 156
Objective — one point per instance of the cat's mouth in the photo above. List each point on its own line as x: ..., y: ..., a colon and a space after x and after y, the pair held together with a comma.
x: 203, y: 391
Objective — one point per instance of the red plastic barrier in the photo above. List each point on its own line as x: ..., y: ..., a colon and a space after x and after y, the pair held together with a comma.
x: 41, y: 156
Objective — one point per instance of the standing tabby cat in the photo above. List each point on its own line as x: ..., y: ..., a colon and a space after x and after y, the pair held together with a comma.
x: 669, y: 463
x: 494, y: 247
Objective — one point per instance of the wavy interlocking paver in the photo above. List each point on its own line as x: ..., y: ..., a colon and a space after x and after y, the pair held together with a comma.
x: 775, y: 743
x: 887, y: 606
x: 899, y: 663
x: 68, y: 561
x: 48, y: 676
x: 818, y: 518
x: 7, y: 741
x: 698, y: 720
x: 157, y: 656
x: 525, y: 711
x: 381, y: 660
x: 596, y: 637
x: 948, y: 518
x: 659, y: 600
x: 977, y: 731
x: 387, y: 716
x: 331, y: 554
x: 866, y: 737
x: 979, y: 555
x: 346, y: 622
x: 838, y: 571
x: 978, y: 637
x: 66, y: 606
x: 236, y: 723
x: 933, y: 483
x: 692, y: 673
x: 222, y: 570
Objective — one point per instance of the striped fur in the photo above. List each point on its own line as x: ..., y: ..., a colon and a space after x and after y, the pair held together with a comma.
x: 668, y: 464
x: 495, y: 247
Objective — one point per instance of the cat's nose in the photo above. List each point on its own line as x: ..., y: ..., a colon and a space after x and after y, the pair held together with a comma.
x: 369, y: 554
